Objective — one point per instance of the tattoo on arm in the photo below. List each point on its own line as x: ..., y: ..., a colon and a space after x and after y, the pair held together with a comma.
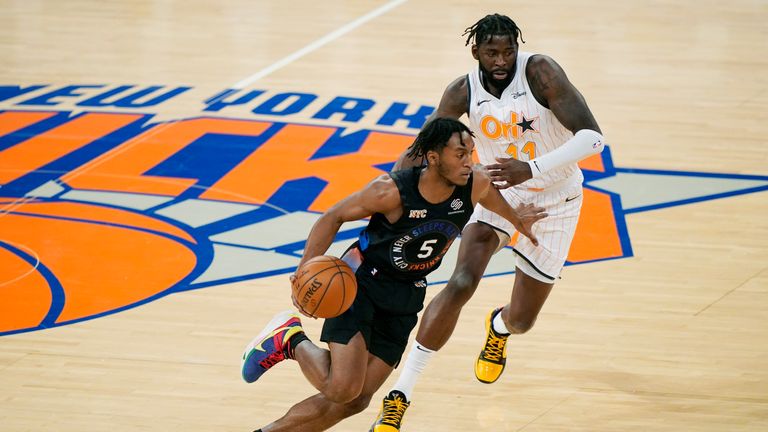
x: 541, y: 81
x: 454, y: 101
x: 553, y: 90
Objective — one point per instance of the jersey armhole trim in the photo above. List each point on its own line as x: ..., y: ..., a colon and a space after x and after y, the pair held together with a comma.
x: 401, y: 185
x: 469, y: 93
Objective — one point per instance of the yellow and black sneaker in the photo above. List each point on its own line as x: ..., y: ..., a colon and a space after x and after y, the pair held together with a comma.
x: 391, y: 415
x: 490, y: 363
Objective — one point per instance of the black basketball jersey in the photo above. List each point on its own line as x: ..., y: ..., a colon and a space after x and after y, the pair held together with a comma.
x: 414, y: 245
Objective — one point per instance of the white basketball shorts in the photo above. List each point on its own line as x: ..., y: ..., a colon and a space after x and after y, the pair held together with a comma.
x: 562, y: 202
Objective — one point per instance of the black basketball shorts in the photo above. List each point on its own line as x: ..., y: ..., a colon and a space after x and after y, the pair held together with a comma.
x: 384, y: 312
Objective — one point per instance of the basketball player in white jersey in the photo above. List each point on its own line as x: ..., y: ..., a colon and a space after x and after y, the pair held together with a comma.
x: 532, y: 127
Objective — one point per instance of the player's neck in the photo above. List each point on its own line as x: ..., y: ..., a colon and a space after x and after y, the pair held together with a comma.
x: 494, y: 89
x: 433, y: 187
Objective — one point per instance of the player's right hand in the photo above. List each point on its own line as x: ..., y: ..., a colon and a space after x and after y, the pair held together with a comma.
x: 508, y: 172
x: 528, y: 215
x: 294, y: 290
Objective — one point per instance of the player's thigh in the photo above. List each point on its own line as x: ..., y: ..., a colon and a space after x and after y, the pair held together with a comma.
x: 390, y: 336
x: 375, y: 375
x: 378, y: 371
x: 348, y: 365
x: 479, y: 241
x: 555, y: 233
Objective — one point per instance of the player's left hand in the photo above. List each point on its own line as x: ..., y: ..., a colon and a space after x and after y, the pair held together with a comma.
x: 508, y: 172
x: 529, y: 214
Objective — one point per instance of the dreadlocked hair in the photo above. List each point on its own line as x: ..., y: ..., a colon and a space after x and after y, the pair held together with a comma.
x: 490, y: 26
x: 435, y: 135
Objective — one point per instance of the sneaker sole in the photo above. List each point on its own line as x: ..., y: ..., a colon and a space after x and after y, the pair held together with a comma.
x: 274, y: 323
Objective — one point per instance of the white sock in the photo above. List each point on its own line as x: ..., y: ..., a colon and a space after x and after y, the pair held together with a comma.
x: 498, y: 325
x: 417, y: 360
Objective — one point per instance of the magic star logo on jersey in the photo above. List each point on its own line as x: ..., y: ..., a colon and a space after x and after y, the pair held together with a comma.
x: 512, y: 129
x: 106, y: 206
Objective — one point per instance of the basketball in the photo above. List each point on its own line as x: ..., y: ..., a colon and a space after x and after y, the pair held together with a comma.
x: 325, y: 287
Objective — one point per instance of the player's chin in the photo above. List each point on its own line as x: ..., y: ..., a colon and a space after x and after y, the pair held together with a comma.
x: 461, y: 180
x: 501, y: 83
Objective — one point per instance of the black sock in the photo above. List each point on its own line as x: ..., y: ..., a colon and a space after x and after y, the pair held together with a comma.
x: 293, y: 342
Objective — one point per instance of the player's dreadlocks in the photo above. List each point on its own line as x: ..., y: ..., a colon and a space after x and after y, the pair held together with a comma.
x: 435, y: 135
x: 490, y: 26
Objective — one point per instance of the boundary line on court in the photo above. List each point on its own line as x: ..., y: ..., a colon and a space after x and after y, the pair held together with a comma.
x: 341, y: 31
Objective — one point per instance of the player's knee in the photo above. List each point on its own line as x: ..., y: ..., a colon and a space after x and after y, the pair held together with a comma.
x: 462, y: 286
x: 357, y: 405
x: 342, y: 393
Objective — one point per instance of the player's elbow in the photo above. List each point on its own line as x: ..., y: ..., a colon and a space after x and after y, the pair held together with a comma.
x: 591, y: 141
x: 332, y: 219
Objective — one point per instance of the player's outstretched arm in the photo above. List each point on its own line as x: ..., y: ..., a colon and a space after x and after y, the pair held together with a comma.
x: 523, y: 217
x: 379, y: 196
x: 453, y: 105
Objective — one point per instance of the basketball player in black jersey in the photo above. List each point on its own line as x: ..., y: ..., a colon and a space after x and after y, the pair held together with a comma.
x: 415, y: 216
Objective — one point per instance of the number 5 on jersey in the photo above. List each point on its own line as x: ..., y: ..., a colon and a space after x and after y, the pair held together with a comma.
x: 426, y: 248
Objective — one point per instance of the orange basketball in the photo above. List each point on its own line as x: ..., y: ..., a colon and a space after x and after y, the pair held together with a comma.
x: 325, y: 287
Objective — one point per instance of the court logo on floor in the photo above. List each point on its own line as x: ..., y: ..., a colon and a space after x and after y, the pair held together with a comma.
x: 106, y: 207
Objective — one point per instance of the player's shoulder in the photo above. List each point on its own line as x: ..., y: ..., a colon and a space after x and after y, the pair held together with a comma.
x: 538, y: 63
x: 479, y: 170
x: 382, y: 184
x: 458, y: 88
x: 481, y: 182
x: 455, y: 102
x: 459, y: 83
x: 385, y: 186
x: 381, y: 193
x: 480, y: 176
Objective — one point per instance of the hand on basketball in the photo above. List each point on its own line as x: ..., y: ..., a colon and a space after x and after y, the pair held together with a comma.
x: 529, y: 214
x: 294, y: 290
x: 508, y: 172
x: 323, y: 287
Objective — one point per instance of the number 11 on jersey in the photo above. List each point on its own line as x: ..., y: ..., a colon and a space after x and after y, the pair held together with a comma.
x: 529, y: 149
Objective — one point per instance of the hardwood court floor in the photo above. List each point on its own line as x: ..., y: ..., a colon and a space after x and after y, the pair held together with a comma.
x: 671, y: 338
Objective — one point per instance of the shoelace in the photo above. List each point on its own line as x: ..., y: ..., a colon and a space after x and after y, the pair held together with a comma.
x: 272, y: 359
x: 494, y: 347
x: 393, y: 411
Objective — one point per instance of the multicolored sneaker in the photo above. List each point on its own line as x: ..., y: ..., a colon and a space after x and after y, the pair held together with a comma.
x: 270, y: 346
x: 391, y: 415
x: 490, y: 363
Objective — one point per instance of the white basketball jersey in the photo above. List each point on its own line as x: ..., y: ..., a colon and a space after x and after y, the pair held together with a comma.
x: 516, y: 126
